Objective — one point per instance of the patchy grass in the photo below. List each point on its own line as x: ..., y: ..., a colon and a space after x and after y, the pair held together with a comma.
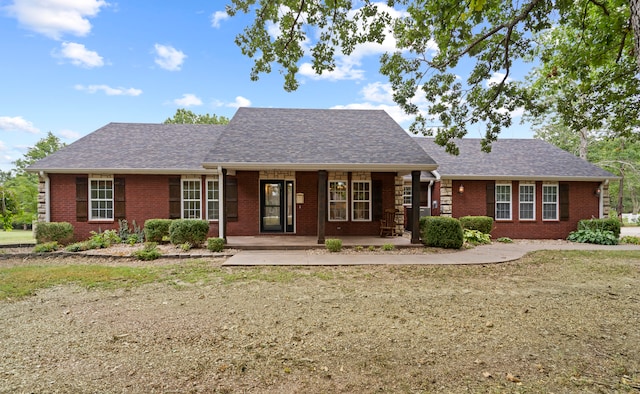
x: 16, y: 237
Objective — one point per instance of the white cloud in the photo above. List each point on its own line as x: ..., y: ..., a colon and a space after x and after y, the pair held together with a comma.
x: 3, y: 146
x: 188, y: 100
x: 240, y: 102
x: 109, y: 91
x: 80, y: 56
x: 53, y: 18
x: 218, y: 17
x: 69, y: 134
x: 17, y: 123
x: 497, y: 77
x: 168, y: 57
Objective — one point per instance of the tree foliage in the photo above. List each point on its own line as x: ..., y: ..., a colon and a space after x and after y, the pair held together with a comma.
x: 432, y: 38
x: 186, y: 116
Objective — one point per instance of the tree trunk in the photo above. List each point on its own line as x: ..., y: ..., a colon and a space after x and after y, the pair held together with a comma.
x: 620, y: 205
x: 635, y: 25
x: 584, y: 143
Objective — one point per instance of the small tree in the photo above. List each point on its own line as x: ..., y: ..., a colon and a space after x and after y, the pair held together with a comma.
x: 184, y: 116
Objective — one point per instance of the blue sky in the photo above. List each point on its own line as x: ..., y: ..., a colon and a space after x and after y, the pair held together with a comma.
x: 72, y: 66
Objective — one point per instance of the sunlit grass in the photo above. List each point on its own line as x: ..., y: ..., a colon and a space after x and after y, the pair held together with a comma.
x: 16, y: 237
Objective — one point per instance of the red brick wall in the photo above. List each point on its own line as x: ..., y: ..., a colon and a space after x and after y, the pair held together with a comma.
x: 307, y: 213
x: 248, y: 205
x: 583, y: 204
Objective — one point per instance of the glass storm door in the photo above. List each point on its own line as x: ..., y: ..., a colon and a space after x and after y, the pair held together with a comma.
x: 276, y: 207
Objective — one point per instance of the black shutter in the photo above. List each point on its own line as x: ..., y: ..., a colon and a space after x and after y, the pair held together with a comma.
x: 82, y: 199
x: 564, y: 201
x: 491, y: 200
x: 119, y: 211
x: 231, y: 199
x: 174, y: 198
x: 376, y: 199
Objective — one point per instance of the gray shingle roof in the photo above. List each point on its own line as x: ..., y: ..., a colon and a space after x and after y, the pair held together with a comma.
x: 136, y: 147
x: 274, y: 137
x: 511, y: 159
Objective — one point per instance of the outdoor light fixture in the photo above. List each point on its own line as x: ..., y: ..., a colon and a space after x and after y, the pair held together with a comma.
x: 597, y: 192
x: 461, y: 189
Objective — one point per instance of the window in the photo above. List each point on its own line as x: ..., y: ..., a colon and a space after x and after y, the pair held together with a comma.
x: 361, y: 201
x: 406, y: 195
x: 527, y: 201
x: 337, y: 201
x: 191, y: 199
x: 550, y: 202
x: 101, y: 199
x: 503, y: 202
x: 213, y: 199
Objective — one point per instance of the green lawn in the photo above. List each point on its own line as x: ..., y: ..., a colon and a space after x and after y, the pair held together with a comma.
x: 16, y: 237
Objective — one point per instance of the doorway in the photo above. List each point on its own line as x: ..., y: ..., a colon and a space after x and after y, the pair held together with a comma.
x: 277, y: 206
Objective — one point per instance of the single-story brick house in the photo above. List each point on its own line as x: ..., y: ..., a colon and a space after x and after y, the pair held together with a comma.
x: 531, y: 188
x: 324, y: 173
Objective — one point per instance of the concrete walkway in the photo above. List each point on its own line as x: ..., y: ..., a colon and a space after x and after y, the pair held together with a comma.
x: 485, y: 254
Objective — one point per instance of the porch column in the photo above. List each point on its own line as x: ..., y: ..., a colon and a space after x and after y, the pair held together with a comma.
x: 322, y: 204
x: 223, y: 213
x: 415, y: 207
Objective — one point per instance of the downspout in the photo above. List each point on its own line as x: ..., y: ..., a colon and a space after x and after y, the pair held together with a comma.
x: 221, y: 211
x: 601, y: 198
x: 429, y: 194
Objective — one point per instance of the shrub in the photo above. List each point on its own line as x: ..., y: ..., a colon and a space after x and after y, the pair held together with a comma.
x: 505, y: 240
x: 476, y: 237
x: 358, y: 248
x: 185, y: 247
x: 371, y: 248
x: 46, y: 247
x: 600, y: 237
x: 188, y: 230
x: 78, y: 247
x: 333, y: 245
x: 388, y: 247
x: 60, y: 232
x: 441, y: 232
x: 608, y: 224
x: 155, y: 230
x: 630, y: 239
x: 148, y: 252
x: 130, y: 236
x: 215, y: 244
x: 484, y: 224
x: 104, y: 239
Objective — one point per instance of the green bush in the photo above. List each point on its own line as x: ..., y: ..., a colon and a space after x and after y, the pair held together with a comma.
x: 476, y: 237
x: 608, y: 224
x: 148, y: 252
x: 441, y: 232
x: 188, y: 230
x: 128, y: 235
x: 630, y: 239
x: 484, y: 224
x: 60, y: 232
x: 155, y: 230
x: 78, y: 246
x: 597, y: 236
x: 104, y: 239
x: 215, y: 244
x: 388, y: 247
x: 505, y: 240
x: 46, y: 247
x: 333, y: 245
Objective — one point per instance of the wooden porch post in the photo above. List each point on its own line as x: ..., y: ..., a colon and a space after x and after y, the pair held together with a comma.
x: 322, y: 204
x: 223, y: 214
x: 415, y: 207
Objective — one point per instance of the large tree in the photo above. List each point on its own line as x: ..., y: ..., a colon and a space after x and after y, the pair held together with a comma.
x: 432, y: 38
x: 186, y: 116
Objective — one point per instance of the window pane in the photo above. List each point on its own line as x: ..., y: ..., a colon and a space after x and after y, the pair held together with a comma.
x: 550, y: 202
x: 361, y: 206
x: 337, y: 200
x: 101, y: 196
x: 527, y: 199
x: 503, y: 202
x: 191, y: 199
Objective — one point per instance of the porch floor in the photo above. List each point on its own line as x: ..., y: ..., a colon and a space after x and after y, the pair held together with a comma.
x: 293, y: 242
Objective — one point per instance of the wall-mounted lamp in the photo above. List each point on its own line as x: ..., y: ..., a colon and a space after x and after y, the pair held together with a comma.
x: 461, y: 189
x: 597, y: 192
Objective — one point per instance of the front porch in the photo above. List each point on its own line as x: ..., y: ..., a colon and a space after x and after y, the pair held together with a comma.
x: 294, y: 242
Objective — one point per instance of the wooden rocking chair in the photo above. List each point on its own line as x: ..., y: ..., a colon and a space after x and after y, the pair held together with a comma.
x: 388, y: 223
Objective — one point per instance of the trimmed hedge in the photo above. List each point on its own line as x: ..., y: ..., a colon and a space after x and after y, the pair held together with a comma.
x: 484, y: 224
x: 215, y: 244
x: 608, y: 224
x: 441, y: 232
x: 156, y: 229
x: 188, y: 230
x: 60, y: 232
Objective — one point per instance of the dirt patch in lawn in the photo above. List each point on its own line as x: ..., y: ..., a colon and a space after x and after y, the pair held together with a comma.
x: 551, y: 322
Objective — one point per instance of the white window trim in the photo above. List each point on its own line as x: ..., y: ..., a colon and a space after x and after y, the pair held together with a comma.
x: 216, y: 182
x: 503, y: 202
x: 346, y: 201
x: 182, y: 199
x: 557, y: 203
x: 353, y: 202
x: 533, y: 203
x: 405, y: 195
x: 90, y: 200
